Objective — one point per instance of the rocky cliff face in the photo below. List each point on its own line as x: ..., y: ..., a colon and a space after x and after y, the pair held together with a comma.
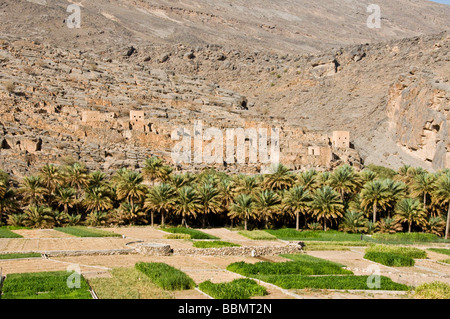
x: 419, y: 117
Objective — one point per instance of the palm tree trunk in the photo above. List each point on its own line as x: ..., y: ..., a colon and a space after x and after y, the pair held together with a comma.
x: 245, y: 223
x: 267, y: 222
x: 297, y: 221
x: 425, y: 202
x: 324, y: 224
x: 374, y: 213
x: 409, y: 227
x: 151, y: 217
x: 448, y: 221
x: 162, y: 219
x: 204, y: 219
x: 183, y: 220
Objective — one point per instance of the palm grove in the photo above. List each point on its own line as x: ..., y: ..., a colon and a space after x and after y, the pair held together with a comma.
x: 375, y: 199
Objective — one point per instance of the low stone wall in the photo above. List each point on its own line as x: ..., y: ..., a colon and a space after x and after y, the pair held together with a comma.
x: 248, y: 251
x: 154, y: 249
x: 108, y: 252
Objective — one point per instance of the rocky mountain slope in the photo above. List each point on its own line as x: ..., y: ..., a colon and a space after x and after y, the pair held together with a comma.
x: 282, y: 26
x: 69, y: 92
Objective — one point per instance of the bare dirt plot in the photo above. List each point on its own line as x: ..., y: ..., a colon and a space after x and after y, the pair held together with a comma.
x: 57, y: 244
x: 38, y: 265
x: 436, y: 256
x: 41, y: 233
x: 189, y: 294
x: 141, y: 232
x: 18, y: 244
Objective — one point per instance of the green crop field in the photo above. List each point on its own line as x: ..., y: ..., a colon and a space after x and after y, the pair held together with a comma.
x: 128, y: 283
x: 331, y: 235
x: 301, y: 265
x: 404, y: 251
x: 19, y: 255
x: 394, y: 256
x: 390, y: 259
x: 43, y: 285
x: 214, y: 244
x: 195, y: 234
x: 165, y: 276
x: 257, y: 235
x: 6, y: 233
x: 406, y: 238
x: 80, y: 231
x: 432, y: 290
x: 236, y: 289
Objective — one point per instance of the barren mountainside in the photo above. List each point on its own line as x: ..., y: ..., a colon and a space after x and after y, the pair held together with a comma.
x: 310, y: 68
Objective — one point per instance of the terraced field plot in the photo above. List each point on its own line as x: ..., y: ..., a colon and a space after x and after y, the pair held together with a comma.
x: 44, y: 285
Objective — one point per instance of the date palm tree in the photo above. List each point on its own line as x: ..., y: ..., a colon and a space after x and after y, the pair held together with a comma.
x: 7, y: 200
x: 374, y: 195
x: 4, y: 177
x: 38, y: 217
x: 442, y: 194
x: 247, y: 185
x: 367, y: 175
x: 323, y: 179
x: 210, y: 201
x: 435, y: 225
x: 51, y: 177
x: 280, y: 179
x: 65, y: 197
x: 297, y: 200
x: 178, y: 181
x: 243, y: 208
x: 187, y: 203
x: 389, y: 225
x: 59, y: 218
x: 267, y: 203
x: 395, y: 191
x: 353, y: 222
x: 308, y: 180
x: 345, y: 181
x: 32, y: 190
x: 130, y: 188
x: 423, y: 185
x: 98, y: 199
x: 410, y: 210
x: 97, y: 179
x: 133, y: 214
x: 76, y: 176
x: 161, y: 199
x: 154, y: 170
x: 96, y: 218
x: 326, y: 205
x: 227, y: 189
